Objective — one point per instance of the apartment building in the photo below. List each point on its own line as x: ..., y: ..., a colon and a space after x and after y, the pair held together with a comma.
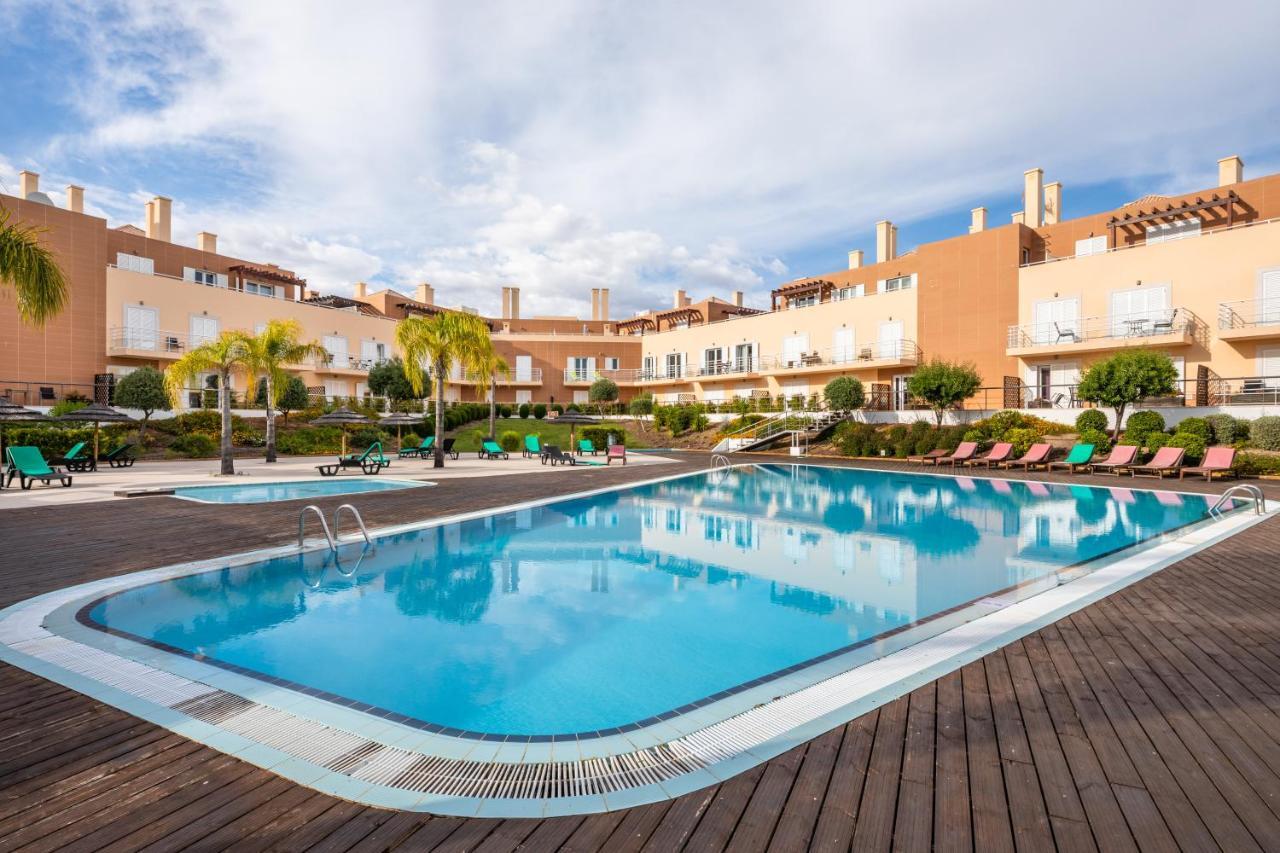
x: 1030, y: 303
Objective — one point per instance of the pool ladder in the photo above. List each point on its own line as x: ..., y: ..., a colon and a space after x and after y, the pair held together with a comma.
x: 1253, y: 492
x: 324, y: 525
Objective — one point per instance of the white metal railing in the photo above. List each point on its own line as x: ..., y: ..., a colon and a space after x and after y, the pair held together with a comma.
x: 140, y: 339
x: 900, y: 351
x: 1248, y: 312
x: 1142, y: 324
x: 532, y: 376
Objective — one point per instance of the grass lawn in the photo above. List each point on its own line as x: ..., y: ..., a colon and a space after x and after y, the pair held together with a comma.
x: 469, y: 436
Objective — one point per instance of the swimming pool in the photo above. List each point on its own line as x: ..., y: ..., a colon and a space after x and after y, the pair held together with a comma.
x: 639, y: 603
x: 256, y: 493
x: 612, y: 648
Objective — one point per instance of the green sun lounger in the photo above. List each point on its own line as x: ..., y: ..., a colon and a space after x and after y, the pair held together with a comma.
x: 77, y: 458
x: 490, y: 449
x: 27, y: 464
x: 420, y: 450
x: 532, y: 446
x: 1078, y: 458
x: 585, y: 446
x: 370, y: 462
x: 121, y: 457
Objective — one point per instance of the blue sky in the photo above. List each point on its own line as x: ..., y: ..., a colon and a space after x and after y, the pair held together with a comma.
x: 640, y: 147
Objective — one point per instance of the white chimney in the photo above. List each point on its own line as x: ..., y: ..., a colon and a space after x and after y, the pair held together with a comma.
x: 737, y: 298
x: 855, y: 259
x: 604, y: 303
x: 886, y: 241
x: 595, y: 303
x: 28, y: 183
x: 1230, y: 171
x: 1019, y: 218
x: 978, y: 221
x: 511, y: 303
x: 160, y: 218
x: 360, y: 290
x: 1033, y: 197
x: 1052, y: 203
x: 426, y: 294
x: 207, y: 242
x: 75, y: 198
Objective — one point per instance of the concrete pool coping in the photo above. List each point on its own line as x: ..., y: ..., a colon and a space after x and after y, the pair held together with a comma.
x: 708, y: 753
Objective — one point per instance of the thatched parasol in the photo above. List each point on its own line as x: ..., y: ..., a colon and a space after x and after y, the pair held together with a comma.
x: 400, y: 420
x: 97, y: 413
x: 573, y: 419
x: 343, y: 417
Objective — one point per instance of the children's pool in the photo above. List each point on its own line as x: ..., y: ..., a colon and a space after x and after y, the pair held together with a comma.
x: 256, y: 493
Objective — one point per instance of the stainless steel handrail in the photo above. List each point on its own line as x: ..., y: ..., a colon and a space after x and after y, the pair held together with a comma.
x: 1255, y: 494
x: 337, y: 514
x: 324, y: 525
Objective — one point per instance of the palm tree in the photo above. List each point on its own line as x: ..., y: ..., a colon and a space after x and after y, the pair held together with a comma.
x: 29, y: 267
x: 221, y: 357
x: 487, y: 366
x: 266, y: 354
x: 439, y: 342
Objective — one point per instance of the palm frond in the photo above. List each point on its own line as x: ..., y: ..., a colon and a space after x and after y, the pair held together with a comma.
x: 30, y: 268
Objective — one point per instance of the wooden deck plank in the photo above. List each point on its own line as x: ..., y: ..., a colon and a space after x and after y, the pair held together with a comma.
x: 1150, y: 720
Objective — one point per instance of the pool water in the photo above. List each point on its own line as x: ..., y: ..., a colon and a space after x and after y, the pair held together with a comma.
x: 588, y: 614
x: 256, y: 493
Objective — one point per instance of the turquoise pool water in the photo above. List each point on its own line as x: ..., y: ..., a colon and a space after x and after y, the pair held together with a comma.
x: 257, y: 493
x: 597, y: 614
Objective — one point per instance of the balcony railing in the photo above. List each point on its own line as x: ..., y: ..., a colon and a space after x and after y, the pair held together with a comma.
x: 532, y: 376
x: 122, y: 339
x: 1145, y: 324
x: 895, y: 351
x: 1248, y: 313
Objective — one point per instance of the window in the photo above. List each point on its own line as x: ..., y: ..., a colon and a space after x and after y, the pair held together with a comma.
x: 1269, y: 296
x: 851, y: 292
x: 139, y: 327
x: 890, y: 340
x: 793, y: 349
x: 712, y: 361
x: 843, y: 349
x: 1141, y: 311
x: 1269, y: 366
x: 803, y: 301
x: 373, y: 352
x: 336, y: 346
x: 523, y: 395
x: 1091, y: 246
x: 335, y: 388
x: 210, y: 279
x: 1176, y: 230
x: 902, y: 282
x: 744, y: 357
x: 579, y: 368
x: 524, y: 369
x: 581, y: 397
x: 203, y: 330
x: 647, y: 367
x: 259, y: 289
x: 611, y: 363
x: 1057, y: 321
x: 135, y: 263
x: 675, y: 364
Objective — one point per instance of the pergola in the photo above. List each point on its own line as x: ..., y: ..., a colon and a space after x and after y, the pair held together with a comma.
x: 641, y: 324
x: 331, y: 301
x: 242, y: 272
x: 690, y: 315
x: 1227, y: 203
x: 820, y: 286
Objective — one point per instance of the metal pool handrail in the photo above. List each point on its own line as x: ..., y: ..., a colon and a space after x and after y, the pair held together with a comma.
x: 324, y: 525
x: 337, y: 514
x: 1254, y: 493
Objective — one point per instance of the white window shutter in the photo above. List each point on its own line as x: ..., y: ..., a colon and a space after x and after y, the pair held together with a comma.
x: 189, y: 273
x: 591, y: 367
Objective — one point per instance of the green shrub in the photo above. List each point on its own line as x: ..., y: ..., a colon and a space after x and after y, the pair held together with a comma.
x: 902, y: 449
x: 739, y: 423
x: 1099, y: 439
x: 57, y: 440
x: 310, y: 441
x: 977, y: 435
x: 504, y: 410
x: 202, y: 421
x: 524, y: 410
x: 1021, y: 439
x: 196, y: 445
x: 510, y: 440
x: 642, y: 405
x: 1264, y: 433
x: 1091, y: 419
x: 540, y: 411
x: 856, y: 439
x: 898, y: 433
x: 925, y: 443
x: 410, y: 439
x: 844, y: 394
x: 1191, y: 442
x: 599, y: 435
x: 1140, y: 424
x: 1257, y: 463
x: 1156, y: 440
x: 247, y: 436
x: 66, y: 407
x: 1197, y: 427
x: 1227, y: 429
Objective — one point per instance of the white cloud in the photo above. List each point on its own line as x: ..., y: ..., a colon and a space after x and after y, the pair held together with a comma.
x: 638, y: 147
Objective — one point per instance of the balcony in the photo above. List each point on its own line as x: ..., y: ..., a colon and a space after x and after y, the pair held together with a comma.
x: 150, y: 343
x: 532, y: 376
x: 1168, y: 327
x: 1249, y: 319
x: 882, y: 354
x: 342, y: 363
x: 625, y: 376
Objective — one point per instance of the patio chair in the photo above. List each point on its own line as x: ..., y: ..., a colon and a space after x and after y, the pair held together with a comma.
x: 930, y: 458
x: 1068, y: 333
x: 964, y: 452
x: 1001, y: 451
x: 1121, y: 459
x: 616, y: 451
x: 420, y: 450
x: 1166, y: 461
x: 1217, y: 460
x: 28, y: 465
x: 1078, y: 458
x: 553, y: 454
x: 75, y: 459
x: 490, y: 449
x: 532, y: 446
x: 585, y: 446
x: 1037, y: 454
x: 121, y: 457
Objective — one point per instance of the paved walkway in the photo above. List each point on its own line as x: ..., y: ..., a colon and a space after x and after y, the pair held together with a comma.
x: 1150, y: 720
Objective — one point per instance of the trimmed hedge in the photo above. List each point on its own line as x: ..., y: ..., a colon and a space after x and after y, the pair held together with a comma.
x: 1091, y: 419
x: 599, y: 436
x: 1141, y: 424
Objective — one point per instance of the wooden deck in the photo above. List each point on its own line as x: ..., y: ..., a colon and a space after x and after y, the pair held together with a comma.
x: 1150, y: 720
